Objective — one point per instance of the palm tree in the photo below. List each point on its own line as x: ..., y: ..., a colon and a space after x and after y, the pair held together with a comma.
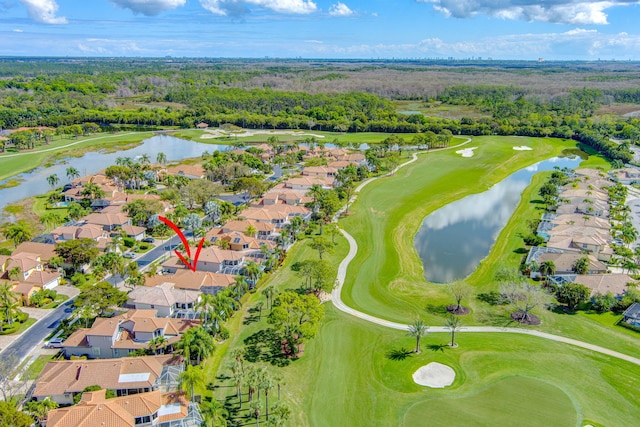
x: 190, y: 378
x: 161, y: 158
x: 547, y: 268
x: 266, y: 383
x: 40, y: 409
x: 255, y: 408
x: 93, y: 191
x: 240, y: 287
x: 72, y: 173
x: 453, y: 323
x: 418, y: 329
x: 20, y: 231
x: 279, y: 415
x: 315, y: 191
x: 157, y: 343
x: 268, y: 292
x: 50, y: 220
x: 144, y: 159
x: 238, y: 378
x: 8, y: 303
x: 214, y: 413
x: 53, y: 180
x: 253, y: 271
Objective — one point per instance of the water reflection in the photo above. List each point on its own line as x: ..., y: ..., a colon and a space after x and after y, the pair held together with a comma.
x: 454, y: 239
x: 34, y: 183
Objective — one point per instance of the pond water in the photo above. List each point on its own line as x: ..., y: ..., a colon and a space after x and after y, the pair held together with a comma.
x: 454, y: 239
x: 35, y: 182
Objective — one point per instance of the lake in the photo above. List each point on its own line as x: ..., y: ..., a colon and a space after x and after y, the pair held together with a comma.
x: 454, y: 239
x: 35, y: 182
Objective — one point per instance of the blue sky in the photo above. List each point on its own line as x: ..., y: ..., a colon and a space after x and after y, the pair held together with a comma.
x: 500, y: 29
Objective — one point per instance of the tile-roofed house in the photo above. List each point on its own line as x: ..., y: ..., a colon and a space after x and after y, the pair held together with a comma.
x: 320, y: 171
x: 62, y: 380
x: 279, y: 215
x: 341, y: 164
x: 579, y: 244
x: 44, y: 250
x: 135, y: 232
x: 25, y: 262
x: 585, y: 194
x: 118, y: 336
x: 564, y: 262
x: 604, y: 283
x: 145, y: 409
x: 164, y: 298
x: 306, y: 182
x: 188, y: 171
x: 264, y: 229
x: 590, y: 174
x: 202, y: 281
x: 84, y: 231
x: 577, y: 205
x: 581, y: 220
x: 625, y: 175
x: 108, y: 222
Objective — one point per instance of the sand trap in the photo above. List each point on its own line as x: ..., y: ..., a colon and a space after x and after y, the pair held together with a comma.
x: 523, y: 148
x: 217, y: 133
x: 434, y: 375
x: 467, y: 152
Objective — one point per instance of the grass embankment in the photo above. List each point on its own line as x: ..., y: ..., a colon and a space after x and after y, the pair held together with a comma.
x: 348, y: 377
x: 13, y: 163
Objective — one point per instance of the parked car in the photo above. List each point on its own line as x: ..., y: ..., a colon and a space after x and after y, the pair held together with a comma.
x: 55, y: 343
x: 129, y: 255
x: 148, y: 240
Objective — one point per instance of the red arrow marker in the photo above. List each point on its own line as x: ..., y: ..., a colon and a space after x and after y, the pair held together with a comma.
x: 185, y: 242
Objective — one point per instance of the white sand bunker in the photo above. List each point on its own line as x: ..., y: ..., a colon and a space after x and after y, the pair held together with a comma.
x: 434, y: 375
x: 467, y: 152
x: 523, y: 148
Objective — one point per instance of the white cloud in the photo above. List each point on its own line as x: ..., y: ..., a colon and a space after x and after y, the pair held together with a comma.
x: 340, y: 9
x: 573, y: 44
x: 17, y: 30
x: 149, y: 7
x: 574, y: 12
x: 239, y: 7
x: 313, y: 41
x: 44, y: 11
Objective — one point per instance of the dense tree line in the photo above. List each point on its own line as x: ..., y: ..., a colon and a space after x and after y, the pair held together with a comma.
x: 151, y: 93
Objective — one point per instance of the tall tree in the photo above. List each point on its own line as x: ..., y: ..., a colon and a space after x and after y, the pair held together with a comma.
x: 20, y: 231
x: 190, y: 378
x: 72, y: 173
x: 53, y: 180
x: 453, y: 323
x: 417, y: 330
x: 322, y: 245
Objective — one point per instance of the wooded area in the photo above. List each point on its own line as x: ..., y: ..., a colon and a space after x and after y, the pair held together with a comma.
x: 512, y: 98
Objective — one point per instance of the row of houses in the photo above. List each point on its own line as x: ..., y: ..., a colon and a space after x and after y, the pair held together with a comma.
x: 580, y: 229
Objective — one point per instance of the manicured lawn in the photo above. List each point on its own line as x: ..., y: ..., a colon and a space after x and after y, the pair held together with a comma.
x: 12, y: 165
x: 386, y: 277
x: 347, y: 377
x: 500, y: 404
x: 300, y: 135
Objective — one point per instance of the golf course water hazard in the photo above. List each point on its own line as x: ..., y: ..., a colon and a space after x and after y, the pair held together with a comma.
x: 454, y: 239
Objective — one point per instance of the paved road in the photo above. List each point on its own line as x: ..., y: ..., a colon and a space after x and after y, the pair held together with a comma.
x: 340, y: 305
x: 22, y: 346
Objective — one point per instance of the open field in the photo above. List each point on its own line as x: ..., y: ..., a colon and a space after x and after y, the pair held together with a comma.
x: 350, y: 377
x: 437, y: 109
x: 13, y: 163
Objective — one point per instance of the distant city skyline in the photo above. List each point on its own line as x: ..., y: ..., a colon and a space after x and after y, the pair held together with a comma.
x: 402, y: 29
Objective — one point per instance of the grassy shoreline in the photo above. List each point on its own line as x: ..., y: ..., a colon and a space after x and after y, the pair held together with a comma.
x: 25, y: 161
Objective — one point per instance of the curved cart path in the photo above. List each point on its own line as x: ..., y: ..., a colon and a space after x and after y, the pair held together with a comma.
x: 353, y: 250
